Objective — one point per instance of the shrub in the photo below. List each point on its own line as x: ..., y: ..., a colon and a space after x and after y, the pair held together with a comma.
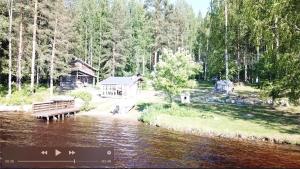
x: 24, y: 96
x: 85, y: 96
x: 173, y: 73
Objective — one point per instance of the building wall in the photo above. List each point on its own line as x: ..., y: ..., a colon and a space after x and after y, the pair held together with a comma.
x: 121, y: 91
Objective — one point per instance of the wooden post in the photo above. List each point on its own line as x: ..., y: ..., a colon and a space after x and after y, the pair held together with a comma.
x: 62, y: 116
x: 47, y: 119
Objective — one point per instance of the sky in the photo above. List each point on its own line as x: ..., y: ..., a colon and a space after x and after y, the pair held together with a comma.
x: 201, y: 5
x: 198, y: 5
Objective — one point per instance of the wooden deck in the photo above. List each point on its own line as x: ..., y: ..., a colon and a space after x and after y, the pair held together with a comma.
x: 55, y: 109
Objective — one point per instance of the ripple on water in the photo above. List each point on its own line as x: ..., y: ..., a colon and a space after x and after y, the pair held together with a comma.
x: 139, y: 145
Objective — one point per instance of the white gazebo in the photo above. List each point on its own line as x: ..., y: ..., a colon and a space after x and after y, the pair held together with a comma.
x: 120, y: 87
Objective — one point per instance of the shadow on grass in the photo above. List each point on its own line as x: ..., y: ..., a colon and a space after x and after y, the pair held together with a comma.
x: 141, y: 107
x: 284, y: 122
x: 205, y: 85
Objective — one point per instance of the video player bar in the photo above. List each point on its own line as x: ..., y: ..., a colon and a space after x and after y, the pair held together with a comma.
x: 56, y: 157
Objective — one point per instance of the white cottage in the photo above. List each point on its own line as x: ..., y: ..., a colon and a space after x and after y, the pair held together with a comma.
x: 120, y: 87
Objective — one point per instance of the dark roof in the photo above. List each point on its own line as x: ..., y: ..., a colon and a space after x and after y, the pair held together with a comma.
x: 120, y: 80
x: 84, y: 63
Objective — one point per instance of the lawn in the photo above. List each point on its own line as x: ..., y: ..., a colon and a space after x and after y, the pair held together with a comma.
x: 226, y: 120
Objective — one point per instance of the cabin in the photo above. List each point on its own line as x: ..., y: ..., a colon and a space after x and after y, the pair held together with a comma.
x: 81, y: 75
x: 120, y: 87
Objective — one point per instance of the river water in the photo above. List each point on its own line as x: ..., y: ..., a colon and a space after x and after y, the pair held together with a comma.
x: 140, y: 145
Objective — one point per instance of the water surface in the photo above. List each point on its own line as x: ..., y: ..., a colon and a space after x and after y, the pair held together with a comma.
x: 140, y: 145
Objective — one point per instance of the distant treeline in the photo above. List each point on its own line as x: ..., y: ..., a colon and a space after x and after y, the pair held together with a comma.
x: 250, y: 41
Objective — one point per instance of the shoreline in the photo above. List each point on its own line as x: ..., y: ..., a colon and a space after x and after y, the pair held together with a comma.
x: 134, y: 116
x: 237, y: 137
x: 16, y: 108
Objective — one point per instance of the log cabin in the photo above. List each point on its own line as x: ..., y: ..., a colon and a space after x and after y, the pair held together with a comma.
x: 82, y: 74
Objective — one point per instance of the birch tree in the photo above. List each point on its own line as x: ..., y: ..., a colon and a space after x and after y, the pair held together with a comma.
x: 34, y: 29
x: 10, y: 13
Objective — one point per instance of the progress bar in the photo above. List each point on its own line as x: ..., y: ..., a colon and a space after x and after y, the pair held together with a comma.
x: 57, y: 157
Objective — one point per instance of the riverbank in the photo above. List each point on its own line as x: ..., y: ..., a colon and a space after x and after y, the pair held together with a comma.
x: 242, y: 115
x: 214, y: 119
x: 229, y: 121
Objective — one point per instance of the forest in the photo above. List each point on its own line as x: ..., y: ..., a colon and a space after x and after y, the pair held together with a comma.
x: 254, y: 42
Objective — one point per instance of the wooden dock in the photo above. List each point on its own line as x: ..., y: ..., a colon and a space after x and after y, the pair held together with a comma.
x: 54, y: 109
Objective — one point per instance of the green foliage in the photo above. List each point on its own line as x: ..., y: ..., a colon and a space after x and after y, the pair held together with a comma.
x: 24, y: 96
x: 87, y: 107
x: 85, y: 96
x: 173, y: 72
x: 3, y: 90
x: 263, y: 45
x: 150, y: 112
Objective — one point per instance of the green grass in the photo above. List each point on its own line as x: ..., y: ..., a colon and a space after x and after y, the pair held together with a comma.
x: 225, y: 120
x: 23, y: 96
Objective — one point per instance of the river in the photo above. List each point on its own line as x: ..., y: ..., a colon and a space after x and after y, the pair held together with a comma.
x: 140, y: 145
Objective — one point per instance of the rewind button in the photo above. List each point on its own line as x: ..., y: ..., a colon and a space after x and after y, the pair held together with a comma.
x: 44, y: 152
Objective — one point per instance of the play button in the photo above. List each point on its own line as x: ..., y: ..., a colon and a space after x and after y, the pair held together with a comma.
x: 57, y: 152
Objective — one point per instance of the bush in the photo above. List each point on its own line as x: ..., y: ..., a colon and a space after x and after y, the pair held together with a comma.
x: 85, y: 96
x: 173, y: 73
x: 24, y: 96
x: 192, y: 84
x: 3, y: 90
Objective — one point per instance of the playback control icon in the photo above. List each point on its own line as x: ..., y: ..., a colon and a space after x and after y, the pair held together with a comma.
x: 72, y: 152
x: 56, y: 157
x: 44, y: 152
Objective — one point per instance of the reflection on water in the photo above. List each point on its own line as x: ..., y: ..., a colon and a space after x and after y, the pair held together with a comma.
x: 139, y: 145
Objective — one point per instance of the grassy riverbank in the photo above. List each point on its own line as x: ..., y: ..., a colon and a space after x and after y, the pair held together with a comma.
x: 245, y: 122
x: 218, y: 118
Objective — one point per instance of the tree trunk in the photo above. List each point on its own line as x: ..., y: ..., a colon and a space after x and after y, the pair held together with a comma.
x: 19, y: 67
x: 206, y: 59
x: 98, y: 72
x: 86, y: 44
x: 150, y: 62
x: 91, y: 51
x: 99, y: 64
x: 33, y: 46
x: 238, y: 55
x: 238, y: 63
x: 37, y: 82
x: 226, y: 52
x: 199, y: 54
x: 277, y: 45
x: 257, y: 60
x: 245, y: 67
x: 113, y: 61
x: 10, y: 11
x: 137, y: 63
x: 144, y: 64
x: 155, y: 60
x: 52, y: 58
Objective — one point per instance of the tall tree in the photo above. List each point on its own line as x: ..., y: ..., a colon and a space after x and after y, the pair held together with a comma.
x: 226, y: 40
x: 33, y: 45
x: 20, y: 53
x: 10, y: 13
